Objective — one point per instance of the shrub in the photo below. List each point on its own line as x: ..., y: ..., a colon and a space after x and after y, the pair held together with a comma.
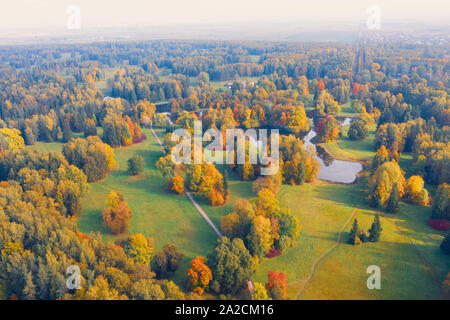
x: 357, y: 130
x: 136, y: 165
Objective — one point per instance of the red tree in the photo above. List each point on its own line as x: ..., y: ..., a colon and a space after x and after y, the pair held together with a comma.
x: 276, y: 285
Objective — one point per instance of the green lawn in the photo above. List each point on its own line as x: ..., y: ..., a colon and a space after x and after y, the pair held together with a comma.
x: 166, y: 217
x: 342, y: 274
x: 412, y: 266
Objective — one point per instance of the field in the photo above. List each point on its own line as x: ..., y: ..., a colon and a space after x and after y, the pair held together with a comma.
x: 166, y: 217
x: 412, y: 266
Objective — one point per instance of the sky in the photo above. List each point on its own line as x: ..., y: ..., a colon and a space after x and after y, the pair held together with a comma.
x: 21, y: 14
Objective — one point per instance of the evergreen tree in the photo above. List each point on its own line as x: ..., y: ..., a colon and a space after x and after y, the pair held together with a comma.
x: 353, y: 237
x: 67, y: 132
x: 226, y: 191
x: 392, y: 204
x: 375, y: 230
x: 445, y: 245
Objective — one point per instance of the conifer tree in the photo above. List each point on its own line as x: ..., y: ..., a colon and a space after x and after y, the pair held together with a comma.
x: 375, y: 230
x: 392, y: 204
x: 67, y: 131
x: 353, y: 237
x: 226, y: 191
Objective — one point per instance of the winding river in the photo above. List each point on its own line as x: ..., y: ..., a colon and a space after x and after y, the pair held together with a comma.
x: 331, y: 169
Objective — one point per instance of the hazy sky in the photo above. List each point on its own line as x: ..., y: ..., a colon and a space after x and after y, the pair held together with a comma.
x: 105, y: 13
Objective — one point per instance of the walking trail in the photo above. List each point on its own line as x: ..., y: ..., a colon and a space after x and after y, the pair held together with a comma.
x: 188, y: 194
x: 322, y: 256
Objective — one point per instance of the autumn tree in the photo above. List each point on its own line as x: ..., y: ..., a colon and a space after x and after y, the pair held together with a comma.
x: 139, y: 248
x: 260, y: 238
x: 415, y: 192
x: 167, y: 261
x: 117, y: 214
x: 200, y: 275
x: 259, y: 292
x: 91, y: 155
x: 276, y: 285
x: 383, y: 180
x: 328, y: 129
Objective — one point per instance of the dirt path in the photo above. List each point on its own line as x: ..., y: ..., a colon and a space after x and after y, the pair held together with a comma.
x: 322, y: 256
x: 188, y: 194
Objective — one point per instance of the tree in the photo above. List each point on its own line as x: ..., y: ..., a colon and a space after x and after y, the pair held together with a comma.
x: 166, y: 261
x: 328, y: 129
x: 11, y: 139
x: 415, y: 192
x: 117, y: 216
x: 226, y: 187
x: 232, y: 226
x: 200, y: 275
x: 383, y: 180
x: 276, y: 285
x: 136, y: 165
x: 259, y: 292
x: 441, y: 203
x: 231, y: 265
x: 91, y: 155
x: 393, y: 201
x: 353, y: 238
x: 357, y: 130
x: 445, y: 245
x: 266, y: 203
x: 176, y: 184
x: 375, y: 230
x: 29, y: 291
x: 67, y: 131
x: 260, y: 238
x: 446, y: 287
x: 90, y: 129
x: 139, y: 248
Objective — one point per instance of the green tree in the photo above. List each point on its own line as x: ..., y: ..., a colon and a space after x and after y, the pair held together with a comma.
x: 231, y: 265
x: 353, y: 236
x: 393, y: 201
x: 375, y: 230
x: 441, y: 203
x: 357, y: 130
x: 136, y: 165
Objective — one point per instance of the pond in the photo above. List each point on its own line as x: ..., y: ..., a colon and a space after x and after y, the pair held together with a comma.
x: 331, y: 169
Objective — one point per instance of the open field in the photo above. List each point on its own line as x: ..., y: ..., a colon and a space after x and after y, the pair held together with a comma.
x: 166, y: 217
x: 411, y: 263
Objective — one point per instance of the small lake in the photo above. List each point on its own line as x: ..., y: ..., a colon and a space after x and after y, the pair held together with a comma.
x: 331, y: 169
